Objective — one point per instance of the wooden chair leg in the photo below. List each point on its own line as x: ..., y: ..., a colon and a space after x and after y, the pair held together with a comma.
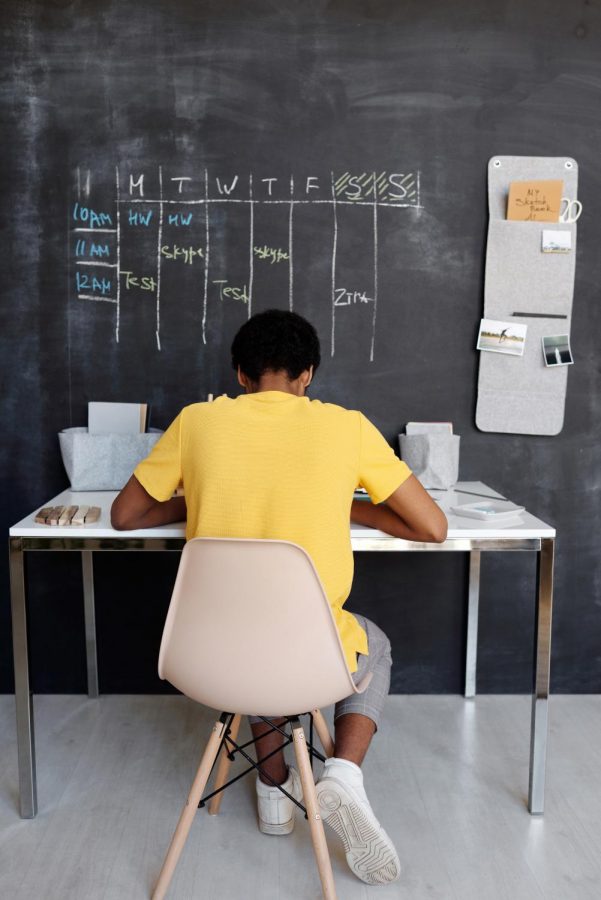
x: 321, y: 727
x: 189, y: 811
x: 223, y: 769
x: 318, y: 838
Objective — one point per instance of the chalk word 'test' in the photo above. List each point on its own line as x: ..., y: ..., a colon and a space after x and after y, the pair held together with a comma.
x: 229, y: 292
x: 144, y: 282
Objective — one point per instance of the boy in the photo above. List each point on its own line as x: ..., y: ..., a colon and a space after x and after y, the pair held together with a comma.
x: 273, y: 464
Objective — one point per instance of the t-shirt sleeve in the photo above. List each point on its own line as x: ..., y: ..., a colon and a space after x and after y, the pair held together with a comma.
x: 381, y: 472
x: 161, y: 471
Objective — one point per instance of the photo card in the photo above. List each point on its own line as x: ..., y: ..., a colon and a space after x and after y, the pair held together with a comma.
x: 556, y: 241
x: 557, y: 351
x: 502, y: 337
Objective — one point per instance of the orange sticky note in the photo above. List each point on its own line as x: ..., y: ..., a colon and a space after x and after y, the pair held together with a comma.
x: 534, y: 201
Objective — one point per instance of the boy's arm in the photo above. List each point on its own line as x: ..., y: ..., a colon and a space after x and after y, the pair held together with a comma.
x: 135, y: 508
x: 409, y: 513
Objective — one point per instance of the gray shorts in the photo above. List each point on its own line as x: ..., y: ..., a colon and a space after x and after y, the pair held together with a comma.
x: 379, y: 661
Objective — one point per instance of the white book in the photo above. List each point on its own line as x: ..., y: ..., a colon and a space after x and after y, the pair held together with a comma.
x: 117, y: 418
x: 429, y: 427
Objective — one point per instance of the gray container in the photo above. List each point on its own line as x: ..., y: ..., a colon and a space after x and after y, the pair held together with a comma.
x: 433, y: 458
x: 103, y: 462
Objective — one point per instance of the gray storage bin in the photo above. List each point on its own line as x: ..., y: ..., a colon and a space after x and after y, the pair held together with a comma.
x: 433, y: 458
x: 103, y: 462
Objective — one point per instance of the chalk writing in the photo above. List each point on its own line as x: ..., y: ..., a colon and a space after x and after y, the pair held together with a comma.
x: 382, y: 186
x: 273, y: 254
x: 88, y: 282
x: 144, y: 282
x: 186, y: 254
x: 139, y: 218
x: 91, y: 216
x: 91, y: 249
x: 229, y: 292
x: 179, y: 219
x: 349, y: 298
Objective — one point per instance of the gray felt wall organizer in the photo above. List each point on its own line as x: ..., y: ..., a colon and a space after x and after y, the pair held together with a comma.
x: 516, y: 394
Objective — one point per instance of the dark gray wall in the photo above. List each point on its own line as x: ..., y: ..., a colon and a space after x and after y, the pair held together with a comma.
x: 300, y: 88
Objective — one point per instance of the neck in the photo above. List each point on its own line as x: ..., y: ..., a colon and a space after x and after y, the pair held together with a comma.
x: 279, y: 381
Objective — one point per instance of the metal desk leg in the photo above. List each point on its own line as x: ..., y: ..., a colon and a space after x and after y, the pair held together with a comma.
x: 90, y: 621
x: 25, y: 738
x: 542, y: 671
x: 471, y: 652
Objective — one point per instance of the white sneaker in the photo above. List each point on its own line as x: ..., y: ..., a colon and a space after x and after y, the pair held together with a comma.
x: 276, y: 811
x: 344, y: 806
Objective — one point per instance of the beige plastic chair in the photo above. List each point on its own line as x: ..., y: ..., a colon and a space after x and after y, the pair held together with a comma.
x: 250, y: 631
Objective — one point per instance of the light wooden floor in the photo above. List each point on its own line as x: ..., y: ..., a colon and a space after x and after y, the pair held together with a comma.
x: 447, y: 777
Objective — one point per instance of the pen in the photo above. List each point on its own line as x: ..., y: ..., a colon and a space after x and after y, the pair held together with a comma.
x: 474, y: 494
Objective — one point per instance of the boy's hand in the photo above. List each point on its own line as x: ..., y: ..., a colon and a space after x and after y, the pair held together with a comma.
x: 135, y: 508
x: 409, y: 513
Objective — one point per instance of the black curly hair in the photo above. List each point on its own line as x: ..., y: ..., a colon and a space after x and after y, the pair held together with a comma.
x: 275, y: 341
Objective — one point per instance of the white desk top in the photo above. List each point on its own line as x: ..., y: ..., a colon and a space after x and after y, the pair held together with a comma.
x: 524, y: 525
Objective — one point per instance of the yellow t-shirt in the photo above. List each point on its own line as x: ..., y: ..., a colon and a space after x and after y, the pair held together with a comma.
x: 274, y: 465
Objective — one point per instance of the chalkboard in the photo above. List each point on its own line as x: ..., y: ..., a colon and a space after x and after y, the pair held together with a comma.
x: 325, y: 157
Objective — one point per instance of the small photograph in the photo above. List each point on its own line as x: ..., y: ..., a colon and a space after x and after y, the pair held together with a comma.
x: 502, y: 337
x: 556, y: 350
x: 556, y: 241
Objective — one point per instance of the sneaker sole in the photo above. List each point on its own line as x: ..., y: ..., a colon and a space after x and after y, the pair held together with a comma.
x: 369, y: 851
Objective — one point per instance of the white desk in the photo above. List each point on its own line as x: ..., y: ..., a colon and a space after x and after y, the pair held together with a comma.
x: 464, y: 535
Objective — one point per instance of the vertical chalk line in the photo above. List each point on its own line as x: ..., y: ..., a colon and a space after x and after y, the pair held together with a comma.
x: 251, y: 261
x: 373, y: 321
x: 334, y: 246
x: 290, y: 260
x: 69, y: 288
x: 206, y: 285
x: 118, y: 294
x: 159, y: 243
x: 78, y: 183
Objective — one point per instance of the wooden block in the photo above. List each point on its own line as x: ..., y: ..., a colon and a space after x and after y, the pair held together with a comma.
x: 80, y: 516
x: 55, y: 514
x: 67, y: 515
x: 43, y: 515
x: 93, y: 514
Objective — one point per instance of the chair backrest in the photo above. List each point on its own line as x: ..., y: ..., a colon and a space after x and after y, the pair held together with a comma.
x: 250, y: 630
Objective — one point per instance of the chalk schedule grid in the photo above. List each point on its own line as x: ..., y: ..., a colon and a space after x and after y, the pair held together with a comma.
x: 159, y: 236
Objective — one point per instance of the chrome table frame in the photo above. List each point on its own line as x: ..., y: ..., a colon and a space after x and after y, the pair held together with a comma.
x: 544, y: 548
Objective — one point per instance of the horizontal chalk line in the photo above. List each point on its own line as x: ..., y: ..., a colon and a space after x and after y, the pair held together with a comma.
x: 369, y: 203
x: 99, y: 299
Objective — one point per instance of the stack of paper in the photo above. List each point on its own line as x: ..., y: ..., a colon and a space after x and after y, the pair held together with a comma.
x: 429, y: 428
x: 117, y: 418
